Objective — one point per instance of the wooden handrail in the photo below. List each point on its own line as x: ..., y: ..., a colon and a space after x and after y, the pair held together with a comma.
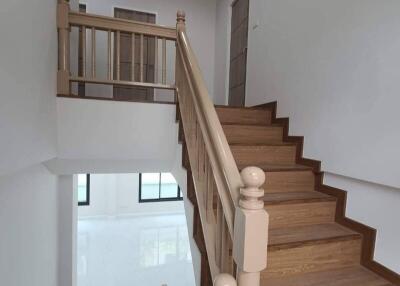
x: 116, y: 24
x: 113, y: 27
x: 240, y: 222
x: 223, y: 163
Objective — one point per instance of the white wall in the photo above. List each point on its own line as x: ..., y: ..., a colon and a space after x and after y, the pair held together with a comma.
x: 201, y: 30
x: 180, y: 175
x: 97, y: 136
x: 28, y: 219
x: 67, y: 230
x: 378, y: 207
x: 28, y: 65
x: 334, y: 68
x: 118, y: 194
x: 222, y: 51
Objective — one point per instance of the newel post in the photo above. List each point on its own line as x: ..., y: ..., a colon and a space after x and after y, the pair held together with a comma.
x: 251, y: 229
x: 180, y: 20
x: 63, y: 85
x: 224, y: 280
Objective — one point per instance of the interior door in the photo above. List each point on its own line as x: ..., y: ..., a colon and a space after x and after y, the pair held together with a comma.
x: 238, y: 56
x: 135, y: 93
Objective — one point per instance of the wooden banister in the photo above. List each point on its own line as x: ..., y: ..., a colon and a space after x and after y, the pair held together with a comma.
x: 223, y: 163
x: 240, y: 222
x: 114, y: 28
x: 104, y: 23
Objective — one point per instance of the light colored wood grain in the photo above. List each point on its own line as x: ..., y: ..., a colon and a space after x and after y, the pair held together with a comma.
x: 121, y: 83
x: 289, y: 181
x: 252, y: 134
x: 244, y: 116
x: 350, y: 276
x: 288, y: 215
x: 269, y: 154
x: 116, y: 24
x: 312, y: 258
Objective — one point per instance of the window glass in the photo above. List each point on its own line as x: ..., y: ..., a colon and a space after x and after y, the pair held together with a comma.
x: 169, y: 187
x: 150, y: 188
x: 82, y: 189
x: 158, y: 187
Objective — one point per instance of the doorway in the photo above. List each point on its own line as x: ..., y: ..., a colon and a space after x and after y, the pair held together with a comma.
x: 238, y: 54
x: 135, y: 93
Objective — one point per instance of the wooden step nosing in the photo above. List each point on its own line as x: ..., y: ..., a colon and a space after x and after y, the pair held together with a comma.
x: 300, y: 201
x: 260, y: 126
x: 296, y: 244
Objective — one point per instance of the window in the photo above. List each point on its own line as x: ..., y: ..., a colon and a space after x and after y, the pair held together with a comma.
x: 83, y: 189
x: 158, y: 187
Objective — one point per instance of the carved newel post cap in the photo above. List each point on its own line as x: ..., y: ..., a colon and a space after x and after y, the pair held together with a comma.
x: 253, y: 178
x: 180, y: 16
x: 224, y: 280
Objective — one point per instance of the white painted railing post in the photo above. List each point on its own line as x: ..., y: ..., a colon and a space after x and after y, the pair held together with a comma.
x: 251, y: 229
x: 224, y: 280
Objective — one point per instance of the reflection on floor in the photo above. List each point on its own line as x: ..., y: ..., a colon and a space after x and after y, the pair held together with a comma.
x: 134, y: 251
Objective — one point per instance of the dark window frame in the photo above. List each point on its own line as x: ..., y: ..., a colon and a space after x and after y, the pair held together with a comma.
x: 87, y: 202
x: 179, y: 196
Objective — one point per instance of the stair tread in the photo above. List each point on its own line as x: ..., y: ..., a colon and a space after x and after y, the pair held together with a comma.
x: 309, y: 234
x: 296, y: 198
x: 352, y: 276
x: 277, y: 167
x: 262, y: 144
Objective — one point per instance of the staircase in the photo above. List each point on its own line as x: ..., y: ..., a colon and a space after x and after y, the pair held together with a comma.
x: 256, y: 199
x: 310, y: 242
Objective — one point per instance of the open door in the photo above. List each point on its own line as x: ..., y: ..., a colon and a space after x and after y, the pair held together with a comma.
x: 238, y: 56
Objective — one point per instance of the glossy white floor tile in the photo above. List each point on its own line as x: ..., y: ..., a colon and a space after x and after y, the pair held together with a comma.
x: 134, y: 251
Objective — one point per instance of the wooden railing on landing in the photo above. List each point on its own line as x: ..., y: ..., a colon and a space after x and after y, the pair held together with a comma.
x: 240, y: 222
x: 113, y: 27
x: 236, y: 231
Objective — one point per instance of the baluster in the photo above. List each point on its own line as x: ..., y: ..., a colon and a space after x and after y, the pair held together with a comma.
x: 210, y: 193
x: 63, y: 85
x: 225, y: 247
x: 164, y: 61
x: 141, y: 57
x: 83, y: 41
x: 118, y: 53
x: 218, y: 234
x: 93, y: 52
x: 133, y: 57
x: 251, y: 229
x: 109, y: 57
x: 156, y: 61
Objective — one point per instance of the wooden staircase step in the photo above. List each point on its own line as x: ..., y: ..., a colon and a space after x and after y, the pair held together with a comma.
x: 311, y: 248
x: 253, y: 134
x: 296, y: 198
x: 289, y: 181
x: 251, y: 155
x: 268, y: 167
x: 352, y: 276
x: 292, y: 237
x: 299, y: 209
x: 254, y: 116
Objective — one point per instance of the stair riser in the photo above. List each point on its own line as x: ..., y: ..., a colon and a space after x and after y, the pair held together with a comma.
x: 264, y: 155
x: 243, y: 116
x: 253, y: 134
x: 289, y: 215
x: 312, y: 258
x: 290, y: 181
